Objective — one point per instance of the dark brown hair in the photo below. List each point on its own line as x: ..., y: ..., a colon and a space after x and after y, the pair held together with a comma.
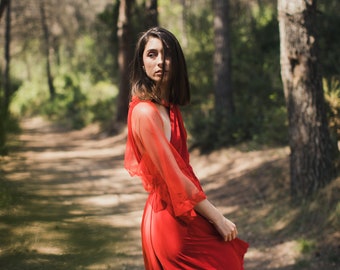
x: 178, y: 91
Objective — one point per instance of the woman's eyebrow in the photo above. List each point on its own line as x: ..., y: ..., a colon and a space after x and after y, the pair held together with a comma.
x: 152, y: 50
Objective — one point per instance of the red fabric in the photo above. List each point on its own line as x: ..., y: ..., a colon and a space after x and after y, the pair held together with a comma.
x: 174, y: 236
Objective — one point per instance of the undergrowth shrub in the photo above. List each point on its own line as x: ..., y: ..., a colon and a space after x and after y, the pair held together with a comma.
x: 210, y: 132
x: 77, y: 101
x: 103, y: 112
x: 69, y: 106
x: 332, y: 96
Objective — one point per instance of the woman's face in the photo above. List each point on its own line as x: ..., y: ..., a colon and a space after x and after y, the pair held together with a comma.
x: 153, y: 59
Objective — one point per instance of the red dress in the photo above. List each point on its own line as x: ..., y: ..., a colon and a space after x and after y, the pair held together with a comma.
x: 174, y: 236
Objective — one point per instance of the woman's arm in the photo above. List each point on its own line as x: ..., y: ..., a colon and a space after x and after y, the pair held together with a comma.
x: 224, y: 226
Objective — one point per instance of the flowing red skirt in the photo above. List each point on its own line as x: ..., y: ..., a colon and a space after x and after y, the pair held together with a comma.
x: 171, y: 243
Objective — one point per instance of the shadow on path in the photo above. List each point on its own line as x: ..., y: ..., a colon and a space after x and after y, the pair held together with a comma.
x: 74, y: 207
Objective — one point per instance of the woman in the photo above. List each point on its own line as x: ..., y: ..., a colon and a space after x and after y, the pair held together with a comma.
x: 181, y: 229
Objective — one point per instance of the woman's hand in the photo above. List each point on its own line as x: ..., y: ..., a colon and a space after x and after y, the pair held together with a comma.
x: 226, y: 228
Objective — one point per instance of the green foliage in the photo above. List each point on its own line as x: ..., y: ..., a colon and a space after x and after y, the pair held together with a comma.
x: 306, y: 246
x: 332, y: 95
x: 103, y: 112
x: 106, y: 43
x: 8, y: 123
x: 69, y: 105
x: 76, y: 104
x: 202, y: 127
x: 87, y: 64
x: 174, y: 10
x: 199, y: 55
x: 91, y: 56
x: 83, y: 70
x: 329, y: 38
x: 29, y: 98
x: 258, y: 96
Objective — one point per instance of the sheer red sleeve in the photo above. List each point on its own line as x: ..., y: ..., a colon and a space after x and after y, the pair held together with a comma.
x: 151, y: 156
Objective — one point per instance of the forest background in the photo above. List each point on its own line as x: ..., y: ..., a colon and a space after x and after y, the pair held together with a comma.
x: 83, y: 55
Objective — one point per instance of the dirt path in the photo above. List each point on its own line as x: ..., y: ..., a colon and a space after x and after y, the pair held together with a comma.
x: 77, y: 208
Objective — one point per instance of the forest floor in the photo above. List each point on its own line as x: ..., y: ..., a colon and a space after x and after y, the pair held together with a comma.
x: 66, y: 202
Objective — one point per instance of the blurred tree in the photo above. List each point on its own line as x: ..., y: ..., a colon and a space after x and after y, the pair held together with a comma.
x: 6, y: 75
x: 259, y: 100
x: 151, y: 13
x: 5, y: 86
x: 125, y: 54
x: 47, y: 49
x: 311, y: 160
x: 84, y: 45
x: 3, y: 4
x: 224, y: 104
x: 107, y: 32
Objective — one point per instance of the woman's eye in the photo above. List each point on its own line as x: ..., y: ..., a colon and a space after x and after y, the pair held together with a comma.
x: 152, y: 54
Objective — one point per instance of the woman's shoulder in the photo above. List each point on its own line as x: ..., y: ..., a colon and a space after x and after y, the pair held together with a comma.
x: 144, y: 109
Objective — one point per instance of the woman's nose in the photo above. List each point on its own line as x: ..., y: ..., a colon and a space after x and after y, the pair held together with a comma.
x: 160, y: 60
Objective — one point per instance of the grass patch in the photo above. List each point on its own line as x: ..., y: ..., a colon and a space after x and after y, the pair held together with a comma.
x: 306, y: 246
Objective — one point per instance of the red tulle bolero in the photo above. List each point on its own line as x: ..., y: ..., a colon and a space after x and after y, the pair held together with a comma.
x: 162, y: 165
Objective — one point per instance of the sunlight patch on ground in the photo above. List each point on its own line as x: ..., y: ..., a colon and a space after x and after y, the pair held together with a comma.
x: 18, y: 176
x: 272, y: 257
x: 284, y: 222
x: 38, y: 237
x: 48, y: 249
x: 234, y: 161
x: 109, y: 199
x: 95, y: 153
x: 131, y: 219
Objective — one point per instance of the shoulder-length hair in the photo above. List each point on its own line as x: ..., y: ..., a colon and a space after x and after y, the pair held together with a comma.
x: 178, y: 90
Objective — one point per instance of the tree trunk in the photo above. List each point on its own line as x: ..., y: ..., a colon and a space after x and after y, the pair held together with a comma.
x: 47, y: 49
x: 224, y: 104
x: 151, y: 17
x: 312, y: 151
x: 183, y: 24
x: 6, y: 77
x: 6, y: 85
x: 125, y: 54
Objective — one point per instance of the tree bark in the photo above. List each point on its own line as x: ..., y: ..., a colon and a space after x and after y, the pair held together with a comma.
x: 125, y: 54
x: 6, y: 75
x: 47, y: 49
x: 224, y: 104
x: 151, y: 17
x: 312, y: 151
x: 6, y: 84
